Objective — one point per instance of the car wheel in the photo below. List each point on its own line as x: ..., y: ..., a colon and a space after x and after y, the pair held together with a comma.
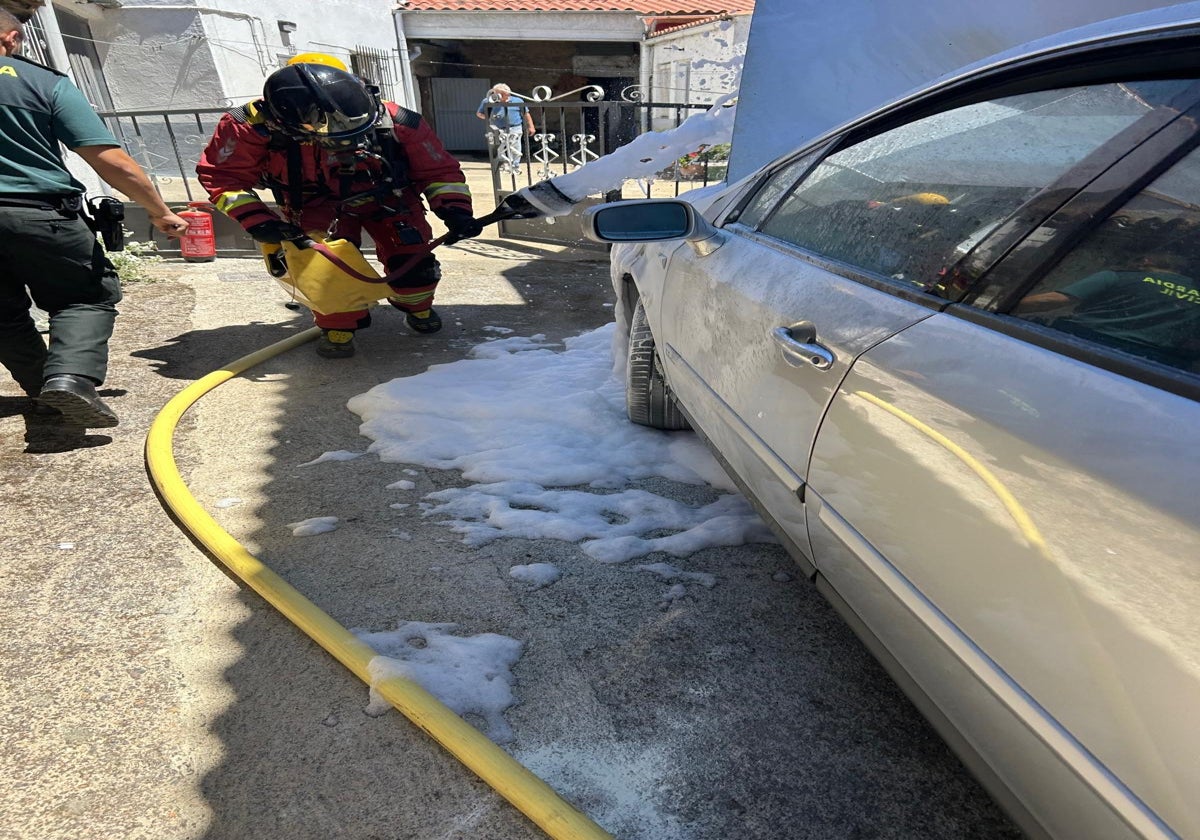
x: 648, y: 398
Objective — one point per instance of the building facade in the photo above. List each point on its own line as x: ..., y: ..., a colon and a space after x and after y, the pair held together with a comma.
x: 160, y: 55
x: 192, y: 58
x: 563, y: 50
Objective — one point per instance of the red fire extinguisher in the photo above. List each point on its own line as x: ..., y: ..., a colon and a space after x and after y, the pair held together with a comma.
x: 199, y: 244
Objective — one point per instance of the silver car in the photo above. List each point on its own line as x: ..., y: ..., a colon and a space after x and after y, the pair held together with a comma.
x: 952, y: 353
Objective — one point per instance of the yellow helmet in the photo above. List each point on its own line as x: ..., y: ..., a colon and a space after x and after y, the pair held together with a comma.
x: 319, y: 58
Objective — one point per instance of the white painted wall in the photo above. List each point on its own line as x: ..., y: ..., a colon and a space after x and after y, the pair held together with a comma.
x: 160, y: 54
x: 812, y: 65
x: 157, y: 59
x: 713, y: 53
x: 699, y: 64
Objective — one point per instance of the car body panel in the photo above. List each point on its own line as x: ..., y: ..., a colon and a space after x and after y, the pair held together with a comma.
x: 715, y: 337
x: 987, y: 718
x: 1008, y: 515
x: 1061, y: 545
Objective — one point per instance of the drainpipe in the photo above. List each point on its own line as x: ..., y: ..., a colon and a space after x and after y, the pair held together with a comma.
x: 406, y: 79
x: 646, y: 80
x: 54, y: 41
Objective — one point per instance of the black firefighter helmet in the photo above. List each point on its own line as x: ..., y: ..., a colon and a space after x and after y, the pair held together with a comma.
x: 316, y: 103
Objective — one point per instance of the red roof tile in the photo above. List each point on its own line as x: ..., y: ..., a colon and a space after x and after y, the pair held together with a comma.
x: 641, y: 7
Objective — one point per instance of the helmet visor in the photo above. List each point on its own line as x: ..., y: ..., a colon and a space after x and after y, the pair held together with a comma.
x: 333, y: 124
x: 311, y: 101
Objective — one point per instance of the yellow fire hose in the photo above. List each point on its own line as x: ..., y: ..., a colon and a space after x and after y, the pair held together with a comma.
x: 529, y: 794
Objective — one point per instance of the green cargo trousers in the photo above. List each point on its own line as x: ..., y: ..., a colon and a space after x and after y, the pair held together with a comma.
x: 58, y: 259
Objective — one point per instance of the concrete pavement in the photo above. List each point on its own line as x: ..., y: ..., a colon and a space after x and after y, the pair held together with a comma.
x: 147, y: 694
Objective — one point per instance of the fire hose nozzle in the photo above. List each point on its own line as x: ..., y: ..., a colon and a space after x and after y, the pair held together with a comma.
x: 541, y: 199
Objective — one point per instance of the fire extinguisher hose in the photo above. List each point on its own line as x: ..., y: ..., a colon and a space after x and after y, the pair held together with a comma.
x: 529, y: 794
x: 391, y: 276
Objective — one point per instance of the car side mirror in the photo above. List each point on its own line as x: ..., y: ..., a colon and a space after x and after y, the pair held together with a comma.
x: 646, y: 220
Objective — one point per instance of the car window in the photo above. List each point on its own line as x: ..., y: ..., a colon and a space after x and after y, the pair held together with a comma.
x: 772, y: 188
x: 1132, y: 283
x: 909, y: 203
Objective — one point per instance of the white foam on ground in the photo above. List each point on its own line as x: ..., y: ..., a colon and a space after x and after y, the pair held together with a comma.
x: 536, y: 428
x: 470, y: 674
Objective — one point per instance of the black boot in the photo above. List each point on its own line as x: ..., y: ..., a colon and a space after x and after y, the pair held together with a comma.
x: 76, y: 397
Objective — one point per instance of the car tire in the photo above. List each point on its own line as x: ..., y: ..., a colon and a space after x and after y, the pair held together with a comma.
x: 648, y: 398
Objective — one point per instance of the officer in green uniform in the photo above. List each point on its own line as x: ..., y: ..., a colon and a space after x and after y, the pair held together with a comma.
x: 45, y: 244
x: 1151, y: 310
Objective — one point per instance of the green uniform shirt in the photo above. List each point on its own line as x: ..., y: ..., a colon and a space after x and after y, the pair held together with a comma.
x: 1149, y: 313
x: 40, y: 109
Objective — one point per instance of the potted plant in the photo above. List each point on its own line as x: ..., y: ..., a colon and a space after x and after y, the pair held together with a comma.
x: 708, y: 162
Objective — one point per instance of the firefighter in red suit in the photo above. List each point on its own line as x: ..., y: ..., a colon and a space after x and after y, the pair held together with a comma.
x: 339, y: 160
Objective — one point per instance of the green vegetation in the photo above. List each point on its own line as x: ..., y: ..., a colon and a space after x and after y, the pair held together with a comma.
x: 133, y: 263
x: 707, y: 160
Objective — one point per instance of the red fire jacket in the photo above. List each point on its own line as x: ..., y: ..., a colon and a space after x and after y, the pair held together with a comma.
x: 244, y: 155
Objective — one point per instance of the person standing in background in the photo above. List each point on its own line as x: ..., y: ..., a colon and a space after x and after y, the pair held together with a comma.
x: 506, y: 115
x: 47, y: 247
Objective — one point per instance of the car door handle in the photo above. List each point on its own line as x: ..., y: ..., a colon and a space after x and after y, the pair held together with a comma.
x: 800, y: 347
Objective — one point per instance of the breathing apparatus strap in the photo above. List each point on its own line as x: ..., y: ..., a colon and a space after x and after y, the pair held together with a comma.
x: 384, y: 148
x: 295, y: 184
x: 380, y: 143
x: 394, y: 158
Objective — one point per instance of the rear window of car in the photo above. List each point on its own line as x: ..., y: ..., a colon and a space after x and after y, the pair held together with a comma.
x: 908, y: 203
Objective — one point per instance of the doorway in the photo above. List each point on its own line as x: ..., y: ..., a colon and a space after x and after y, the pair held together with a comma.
x: 455, y: 102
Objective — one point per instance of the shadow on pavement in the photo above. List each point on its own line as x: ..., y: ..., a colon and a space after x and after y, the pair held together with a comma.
x: 190, y: 355
x: 45, y: 434
x: 300, y: 757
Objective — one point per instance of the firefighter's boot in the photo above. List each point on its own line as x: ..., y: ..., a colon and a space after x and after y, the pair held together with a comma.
x: 427, y: 321
x: 336, y: 344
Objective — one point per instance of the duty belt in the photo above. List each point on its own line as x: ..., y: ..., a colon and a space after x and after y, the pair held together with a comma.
x: 61, y: 203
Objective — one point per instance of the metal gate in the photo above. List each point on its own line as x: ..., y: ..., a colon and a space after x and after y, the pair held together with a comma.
x: 569, y: 134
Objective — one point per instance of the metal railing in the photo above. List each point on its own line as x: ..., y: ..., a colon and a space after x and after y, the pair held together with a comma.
x: 570, y: 134
x: 167, y: 144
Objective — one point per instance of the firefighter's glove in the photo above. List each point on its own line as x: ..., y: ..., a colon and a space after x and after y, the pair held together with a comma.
x: 460, y: 222
x: 275, y: 231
